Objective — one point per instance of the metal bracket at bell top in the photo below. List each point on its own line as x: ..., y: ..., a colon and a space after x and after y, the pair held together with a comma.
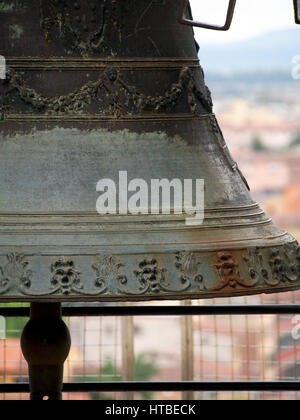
x: 297, y: 11
x: 230, y: 12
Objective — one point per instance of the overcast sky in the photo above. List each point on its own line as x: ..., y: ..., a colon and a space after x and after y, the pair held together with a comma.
x: 252, y: 17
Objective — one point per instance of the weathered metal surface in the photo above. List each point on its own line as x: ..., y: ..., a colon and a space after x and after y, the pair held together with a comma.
x: 98, y: 87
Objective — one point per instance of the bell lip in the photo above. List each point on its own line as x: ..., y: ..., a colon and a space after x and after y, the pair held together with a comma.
x: 154, y: 298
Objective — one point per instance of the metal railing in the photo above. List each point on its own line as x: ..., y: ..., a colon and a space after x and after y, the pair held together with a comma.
x: 134, y: 386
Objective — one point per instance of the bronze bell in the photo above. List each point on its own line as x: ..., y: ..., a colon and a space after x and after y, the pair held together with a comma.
x: 101, y: 87
x: 95, y: 88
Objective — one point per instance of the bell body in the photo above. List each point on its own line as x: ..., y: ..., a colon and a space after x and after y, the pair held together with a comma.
x: 95, y: 88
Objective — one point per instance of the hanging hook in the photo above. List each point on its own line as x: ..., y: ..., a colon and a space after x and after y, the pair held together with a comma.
x: 182, y: 19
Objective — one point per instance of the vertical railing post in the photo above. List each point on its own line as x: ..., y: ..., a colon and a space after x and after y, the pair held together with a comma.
x: 187, y: 352
x: 128, y: 357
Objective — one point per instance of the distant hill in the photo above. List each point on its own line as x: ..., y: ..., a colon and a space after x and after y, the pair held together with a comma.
x: 263, y: 56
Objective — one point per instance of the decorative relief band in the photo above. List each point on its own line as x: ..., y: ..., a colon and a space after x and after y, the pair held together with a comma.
x: 120, y: 98
x: 182, y: 274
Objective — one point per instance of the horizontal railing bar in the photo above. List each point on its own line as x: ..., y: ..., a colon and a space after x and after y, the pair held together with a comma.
x: 280, y: 386
x: 162, y: 310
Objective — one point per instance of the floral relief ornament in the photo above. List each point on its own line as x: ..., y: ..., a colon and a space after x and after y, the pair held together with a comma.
x: 108, y: 274
x: 285, y: 264
x: 189, y: 266
x: 15, y: 274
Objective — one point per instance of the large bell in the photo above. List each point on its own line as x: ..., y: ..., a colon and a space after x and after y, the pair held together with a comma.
x: 95, y: 88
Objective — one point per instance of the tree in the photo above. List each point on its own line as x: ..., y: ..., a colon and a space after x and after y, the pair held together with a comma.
x: 15, y: 326
x: 295, y: 142
x: 145, y: 369
x: 258, y: 145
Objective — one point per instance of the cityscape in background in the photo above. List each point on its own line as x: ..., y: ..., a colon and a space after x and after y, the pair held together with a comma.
x: 255, y: 90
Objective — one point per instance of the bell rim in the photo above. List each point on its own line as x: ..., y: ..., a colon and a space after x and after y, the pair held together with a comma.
x: 180, y: 275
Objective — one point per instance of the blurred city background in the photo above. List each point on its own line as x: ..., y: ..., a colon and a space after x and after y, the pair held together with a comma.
x: 254, y: 77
